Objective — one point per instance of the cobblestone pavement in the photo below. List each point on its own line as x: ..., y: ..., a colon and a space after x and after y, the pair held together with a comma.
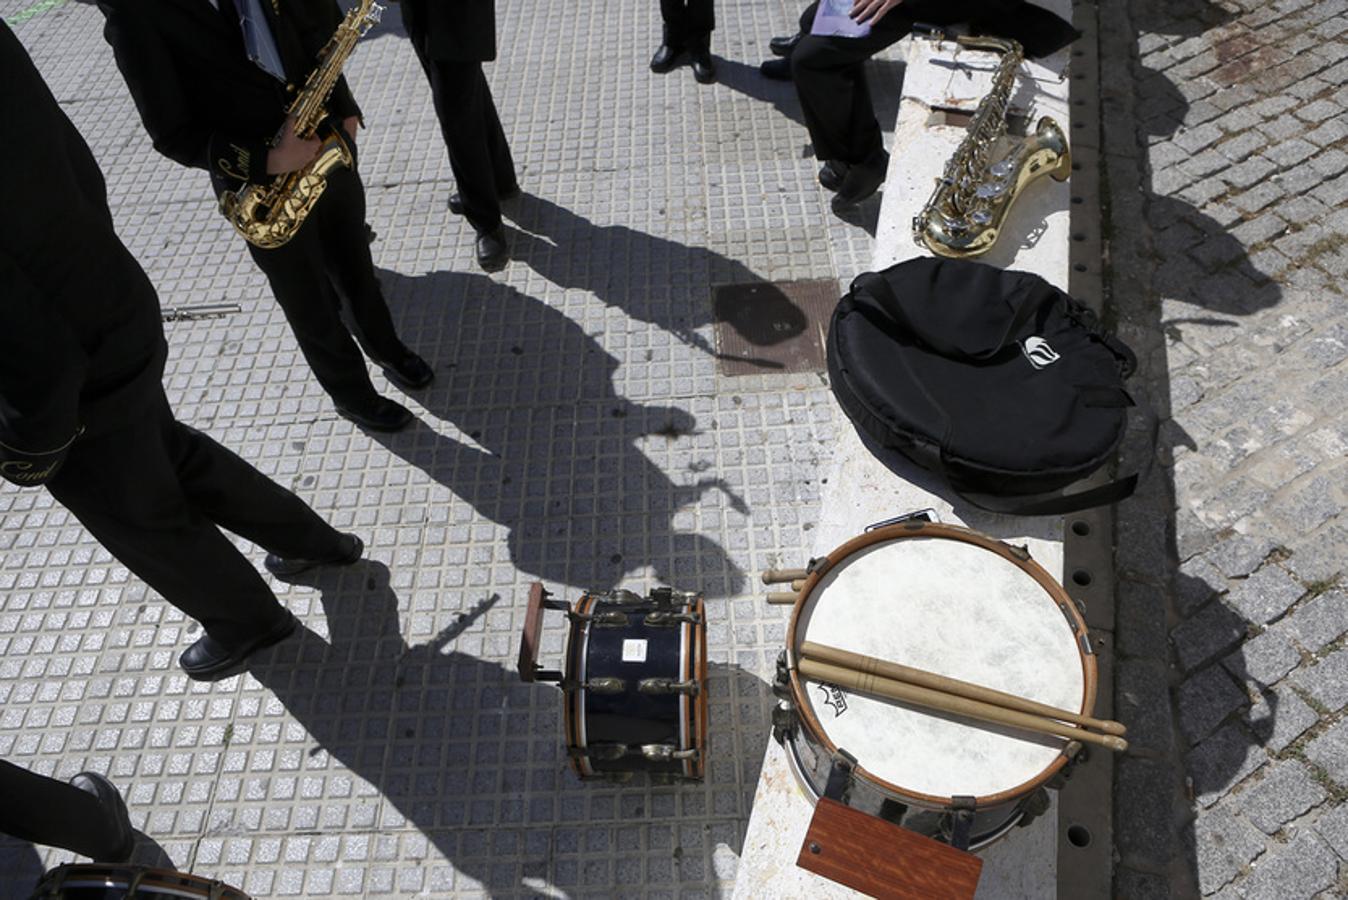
x: 578, y: 434
x: 1227, y: 164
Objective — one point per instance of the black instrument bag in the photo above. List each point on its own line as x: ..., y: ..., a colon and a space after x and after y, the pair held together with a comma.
x: 997, y: 381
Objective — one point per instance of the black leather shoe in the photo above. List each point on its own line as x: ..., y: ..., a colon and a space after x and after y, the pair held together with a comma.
x: 456, y: 199
x: 210, y: 660
x: 379, y: 414
x: 863, y: 179
x: 776, y: 69
x: 114, y: 809
x: 411, y: 373
x: 783, y: 46
x: 492, y: 250
x: 704, y: 68
x: 832, y: 173
x: 349, y: 549
x: 665, y: 57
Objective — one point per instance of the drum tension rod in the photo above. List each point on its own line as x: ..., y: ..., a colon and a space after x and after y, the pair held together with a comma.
x: 661, y: 618
x: 667, y: 686
x: 609, y: 685
x: 666, y: 753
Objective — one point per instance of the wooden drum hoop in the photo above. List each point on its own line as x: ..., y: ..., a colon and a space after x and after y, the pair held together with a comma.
x: 1018, y: 557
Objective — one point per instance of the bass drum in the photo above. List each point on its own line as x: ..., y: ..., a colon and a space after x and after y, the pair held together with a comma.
x: 98, y: 881
x: 960, y: 604
x: 635, y: 686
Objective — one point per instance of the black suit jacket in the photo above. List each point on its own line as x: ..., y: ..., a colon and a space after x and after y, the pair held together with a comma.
x: 204, y: 103
x: 452, y: 30
x: 81, y: 343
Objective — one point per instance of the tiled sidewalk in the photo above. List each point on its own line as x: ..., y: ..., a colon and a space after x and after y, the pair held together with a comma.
x: 578, y: 434
x: 1227, y: 132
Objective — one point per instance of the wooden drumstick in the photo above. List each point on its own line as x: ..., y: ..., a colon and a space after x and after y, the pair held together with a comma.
x: 781, y: 599
x: 949, y: 703
x: 781, y: 576
x: 870, y: 665
x: 798, y: 584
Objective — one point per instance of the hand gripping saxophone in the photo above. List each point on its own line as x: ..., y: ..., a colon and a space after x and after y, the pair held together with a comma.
x: 964, y: 216
x: 269, y: 215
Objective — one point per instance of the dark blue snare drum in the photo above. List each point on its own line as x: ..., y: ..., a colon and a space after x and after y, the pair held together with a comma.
x: 635, y: 681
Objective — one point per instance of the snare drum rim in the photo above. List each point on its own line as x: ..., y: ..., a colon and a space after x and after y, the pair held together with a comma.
x: 903, y: 531
x: 143, y: 877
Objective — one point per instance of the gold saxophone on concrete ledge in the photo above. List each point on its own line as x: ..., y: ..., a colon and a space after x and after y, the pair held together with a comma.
x: 965, y: 213
x: 270, y: 215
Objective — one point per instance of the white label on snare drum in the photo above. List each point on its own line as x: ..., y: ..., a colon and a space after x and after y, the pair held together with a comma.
x: 634, y: 650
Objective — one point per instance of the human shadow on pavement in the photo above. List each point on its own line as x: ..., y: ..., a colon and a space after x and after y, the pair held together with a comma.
x: 1179, y: 645
x: 21, y: 865
x: 548, y: 449
x: 652, y: 279
x: 471, y: 757
x: 20, y: 868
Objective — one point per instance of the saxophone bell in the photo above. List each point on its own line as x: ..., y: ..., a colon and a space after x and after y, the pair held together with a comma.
x: 964, y: 216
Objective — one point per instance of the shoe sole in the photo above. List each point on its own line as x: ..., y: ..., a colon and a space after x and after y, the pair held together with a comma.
x: 234, y: 663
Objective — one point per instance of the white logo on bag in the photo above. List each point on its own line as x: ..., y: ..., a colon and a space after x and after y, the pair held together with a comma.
x: 1038, y: 352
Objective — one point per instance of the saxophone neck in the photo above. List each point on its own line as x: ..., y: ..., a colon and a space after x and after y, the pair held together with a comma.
x: 1004, y: 46
x: 310, y: 107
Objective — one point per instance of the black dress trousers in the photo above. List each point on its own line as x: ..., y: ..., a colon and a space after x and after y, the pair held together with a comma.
x: 479, y: 153
x: 52, y: 813
x: 156, y: 493
x: 326, y: 265
x: 687, y: 20
x: 830, y: 77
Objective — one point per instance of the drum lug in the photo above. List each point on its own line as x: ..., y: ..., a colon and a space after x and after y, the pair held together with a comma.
x: 1034, y: 807
x: 1075, y: 752
x: 619, y: 596
x: 607, y: 619
x: 668, y: 596
x: 960, y: 821
x: 667, y: 686
x: 839, y: 782
x: 663, y: 619
x: 666, y: 753
x: 609, y: 685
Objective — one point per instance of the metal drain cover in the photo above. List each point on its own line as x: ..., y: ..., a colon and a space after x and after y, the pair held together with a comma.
x: 772, y: 327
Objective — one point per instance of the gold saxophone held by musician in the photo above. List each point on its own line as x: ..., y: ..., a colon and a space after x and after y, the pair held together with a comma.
x: 269, y: 215
x: 964, y: 216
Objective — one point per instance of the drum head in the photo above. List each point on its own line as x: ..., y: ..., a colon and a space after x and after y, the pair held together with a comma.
x: 928, y: 598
